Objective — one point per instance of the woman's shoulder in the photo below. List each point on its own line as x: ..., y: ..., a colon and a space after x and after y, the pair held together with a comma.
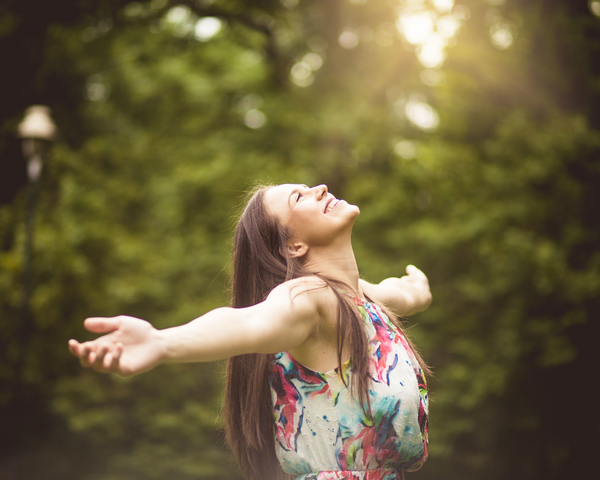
x: 310, y: 288
x: 308, y: 282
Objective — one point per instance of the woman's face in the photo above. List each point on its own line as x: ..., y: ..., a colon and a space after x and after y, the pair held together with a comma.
x: 312, y: 215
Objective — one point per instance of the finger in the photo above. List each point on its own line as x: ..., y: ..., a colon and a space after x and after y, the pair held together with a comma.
x: 107, y: 361
x: 99, y: 358
x: 101, y: 324
x: 412, y: 270
x: 116, y: 356
x: 415, y: 273
x: 74, y: 347
x: 84, y: 355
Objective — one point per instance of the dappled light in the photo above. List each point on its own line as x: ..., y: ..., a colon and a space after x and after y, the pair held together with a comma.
x: 430, y: 30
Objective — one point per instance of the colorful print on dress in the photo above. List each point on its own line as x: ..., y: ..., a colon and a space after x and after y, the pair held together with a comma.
x: 321, y: 431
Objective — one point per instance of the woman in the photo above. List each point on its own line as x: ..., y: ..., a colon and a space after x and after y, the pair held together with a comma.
x: 319, y: 380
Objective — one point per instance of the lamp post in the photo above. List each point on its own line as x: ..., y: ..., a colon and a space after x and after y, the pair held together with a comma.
x: 37, y: 130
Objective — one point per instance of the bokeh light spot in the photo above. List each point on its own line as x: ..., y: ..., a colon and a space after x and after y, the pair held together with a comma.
x: 301, y: 74
x: 447, y: 26
x: 178, y: 14
x: 206, y: 28
x: 443, y: 6
x: 133, y: 9
x: 255, y: 119
x: 96, y: 89
x: 301, y: 71
x: 416, y: 28
x: 289, y: 3
x: 250, y: 102
x: 313, y: 60
x: 461, y: 12
x: 348, y: 39
x: 501, y: 36
x: 421, y: 114
x: 595, y: 8
x: 432, y: 53
x: 406, y: 149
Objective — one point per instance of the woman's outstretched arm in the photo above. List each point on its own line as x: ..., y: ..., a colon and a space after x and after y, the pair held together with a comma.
x: 404, y: 296
x: 130, y: 345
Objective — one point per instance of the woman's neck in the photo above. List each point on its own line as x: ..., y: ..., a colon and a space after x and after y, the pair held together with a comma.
x: 336, y: 262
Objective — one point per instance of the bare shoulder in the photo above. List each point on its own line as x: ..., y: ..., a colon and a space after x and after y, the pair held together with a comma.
x: 305, y: 292
x: 314, y: 306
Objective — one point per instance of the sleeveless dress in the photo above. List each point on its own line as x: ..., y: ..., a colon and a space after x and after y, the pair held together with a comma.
x: 321, y: 431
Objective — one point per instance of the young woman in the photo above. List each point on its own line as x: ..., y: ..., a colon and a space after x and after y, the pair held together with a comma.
x: 320, y: 378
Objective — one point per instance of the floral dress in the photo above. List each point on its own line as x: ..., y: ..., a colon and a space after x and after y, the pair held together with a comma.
x: 321, y: 431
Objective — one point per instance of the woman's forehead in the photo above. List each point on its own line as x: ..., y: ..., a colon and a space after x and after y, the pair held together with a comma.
x: 283, y: 190
x: 277, y: 199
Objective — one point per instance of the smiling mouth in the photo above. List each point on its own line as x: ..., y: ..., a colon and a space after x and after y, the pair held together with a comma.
x: 331, y: 204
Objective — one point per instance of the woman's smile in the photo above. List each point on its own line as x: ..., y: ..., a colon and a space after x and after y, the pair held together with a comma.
x: 331, y: 204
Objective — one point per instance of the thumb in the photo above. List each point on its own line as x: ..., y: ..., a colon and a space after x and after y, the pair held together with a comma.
x: 416, y: 275
x: 101, y: 324
x: 412, y: 270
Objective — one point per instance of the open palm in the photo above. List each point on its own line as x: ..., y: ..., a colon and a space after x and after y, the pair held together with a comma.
x: 130, y: 346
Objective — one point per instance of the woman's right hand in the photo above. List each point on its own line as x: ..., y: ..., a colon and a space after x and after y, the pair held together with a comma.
x: 130, y: 346
x: 284, y: 321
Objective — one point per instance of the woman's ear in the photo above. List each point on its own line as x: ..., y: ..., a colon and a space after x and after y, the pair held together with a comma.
x: 295, y: 250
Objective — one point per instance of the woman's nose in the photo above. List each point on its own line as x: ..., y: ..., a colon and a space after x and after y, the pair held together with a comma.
x: 321, y: 190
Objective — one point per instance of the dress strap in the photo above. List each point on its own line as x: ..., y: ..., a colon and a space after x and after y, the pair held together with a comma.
x: 375, y: 474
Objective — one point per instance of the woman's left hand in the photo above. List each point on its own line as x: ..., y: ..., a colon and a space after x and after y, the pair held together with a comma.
x: 419, y: 282
x: 404, y: 296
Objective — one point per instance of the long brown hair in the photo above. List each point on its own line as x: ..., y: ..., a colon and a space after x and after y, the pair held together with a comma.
x: 261, y: 263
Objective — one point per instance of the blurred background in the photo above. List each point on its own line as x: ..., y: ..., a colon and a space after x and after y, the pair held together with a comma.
x: 467, y: 131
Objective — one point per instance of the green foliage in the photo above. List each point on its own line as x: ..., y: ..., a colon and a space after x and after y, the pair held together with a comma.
x: 161, y: 135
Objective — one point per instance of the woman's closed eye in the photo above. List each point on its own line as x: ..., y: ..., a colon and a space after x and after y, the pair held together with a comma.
x: 298, y: 197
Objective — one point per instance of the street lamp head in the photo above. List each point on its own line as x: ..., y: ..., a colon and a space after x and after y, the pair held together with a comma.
x: 37, y: 123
